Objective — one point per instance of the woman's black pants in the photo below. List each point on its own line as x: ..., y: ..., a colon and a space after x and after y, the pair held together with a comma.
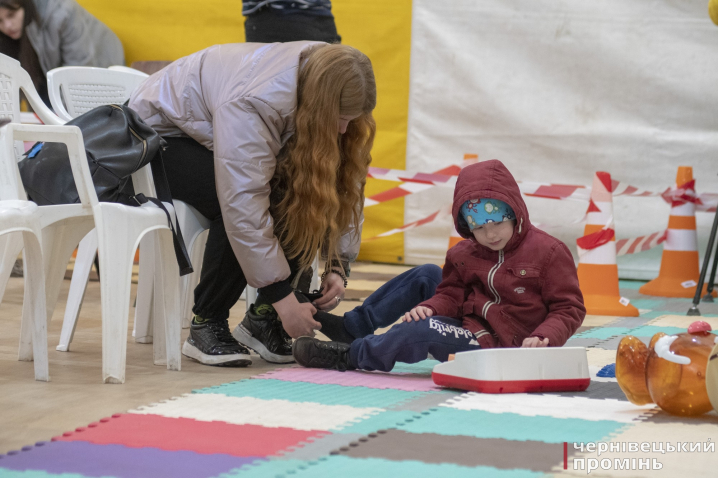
x: 190, y: 173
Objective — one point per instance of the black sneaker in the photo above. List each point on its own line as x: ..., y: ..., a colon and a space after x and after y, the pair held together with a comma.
x: 210, y: 343
x: 262, y: 331
x: 315, y: 353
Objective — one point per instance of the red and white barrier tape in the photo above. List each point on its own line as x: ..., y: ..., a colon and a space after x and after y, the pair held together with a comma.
x: 417, y: 182
x: 640, y: 244
x: 435, y: 216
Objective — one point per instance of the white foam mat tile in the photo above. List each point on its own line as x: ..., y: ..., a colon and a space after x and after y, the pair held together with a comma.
x: 555, y: 406
x: 254, y: 411
x: 682, y: 321
x: 597, y: 320
x: 600, y: 357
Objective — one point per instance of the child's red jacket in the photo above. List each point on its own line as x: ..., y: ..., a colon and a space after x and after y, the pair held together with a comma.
x: 530, y: 289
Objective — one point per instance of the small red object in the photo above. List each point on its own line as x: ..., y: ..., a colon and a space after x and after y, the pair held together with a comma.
x: 699, y: 327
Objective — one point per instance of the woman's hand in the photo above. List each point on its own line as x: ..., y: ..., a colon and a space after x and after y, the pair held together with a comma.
x: 531, y: 342
x: 417, y: 313
x: 297, y: 319
x: 332, y: 292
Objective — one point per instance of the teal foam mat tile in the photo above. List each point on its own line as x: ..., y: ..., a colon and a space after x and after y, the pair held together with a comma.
x: 5, y: 473
x: 345, y: 467
x: 326, y: 394
x: 264, y: 469
x: 383, y: 420
x: 630, y: 284
x: 648, y: 303
x: 424, y: 367
x: 511, y: 426
x: 651, y: 330
x: 601, y: 333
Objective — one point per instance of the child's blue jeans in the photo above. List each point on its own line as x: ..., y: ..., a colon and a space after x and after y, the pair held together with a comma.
x: 408, y: 342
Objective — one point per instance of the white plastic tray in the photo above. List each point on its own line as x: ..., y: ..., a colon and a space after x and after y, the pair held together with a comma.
x: 516, y: 370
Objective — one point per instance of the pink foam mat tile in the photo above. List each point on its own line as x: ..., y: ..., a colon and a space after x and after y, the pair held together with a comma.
x: 406, y: 382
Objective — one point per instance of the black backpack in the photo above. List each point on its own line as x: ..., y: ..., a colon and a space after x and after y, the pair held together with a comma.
x: 117, y: 143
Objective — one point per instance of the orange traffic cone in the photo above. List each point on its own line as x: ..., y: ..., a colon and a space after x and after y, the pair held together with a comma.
x: 679, y: 271
x: 597, y: 269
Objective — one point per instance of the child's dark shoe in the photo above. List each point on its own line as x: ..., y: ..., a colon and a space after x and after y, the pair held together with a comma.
x: 315, y: 353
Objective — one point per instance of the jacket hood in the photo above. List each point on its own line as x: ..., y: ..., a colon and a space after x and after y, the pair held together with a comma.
x: 490, y: 179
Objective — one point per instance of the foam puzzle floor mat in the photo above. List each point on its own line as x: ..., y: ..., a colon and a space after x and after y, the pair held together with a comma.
x: 296, y: 422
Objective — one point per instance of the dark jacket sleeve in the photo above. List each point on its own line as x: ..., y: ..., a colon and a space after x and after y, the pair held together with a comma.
x: 561, y: 294
x: 448, y: 301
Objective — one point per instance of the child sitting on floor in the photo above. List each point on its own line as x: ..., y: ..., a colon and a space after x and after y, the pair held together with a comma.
x: 509, y: 285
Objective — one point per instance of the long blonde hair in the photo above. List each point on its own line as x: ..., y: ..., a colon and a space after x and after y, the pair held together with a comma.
x: 323, y: 172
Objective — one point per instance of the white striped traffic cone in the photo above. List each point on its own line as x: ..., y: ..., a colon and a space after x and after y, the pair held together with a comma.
x: 679, y: 271
x: 597, y: 269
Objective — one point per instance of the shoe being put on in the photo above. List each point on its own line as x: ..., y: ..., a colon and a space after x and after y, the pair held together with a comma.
x: 211, y: 343
x: 262, y: 331
x: 315, y: 353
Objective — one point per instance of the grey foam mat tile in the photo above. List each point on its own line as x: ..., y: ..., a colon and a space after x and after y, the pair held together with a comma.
x: 597, y: 390
x: 629, y: 322
x: 398, y: 445
x: 321, y: 447
x: 612, y: 343
x: 583, y: 342
x: 662, y: 417
x: 430, y: 400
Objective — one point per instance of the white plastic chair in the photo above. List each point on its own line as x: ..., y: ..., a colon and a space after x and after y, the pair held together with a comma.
x: 119, y: 230
x: 73, y: 91
x: 14, y: 79
x: 24, y: 218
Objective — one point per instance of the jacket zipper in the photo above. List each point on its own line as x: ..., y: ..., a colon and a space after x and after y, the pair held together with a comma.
x: 492, y: 273
x: 136, y: 135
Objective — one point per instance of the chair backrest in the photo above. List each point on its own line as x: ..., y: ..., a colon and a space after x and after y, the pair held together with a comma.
x: 14, y: 78
x: 75, y: 90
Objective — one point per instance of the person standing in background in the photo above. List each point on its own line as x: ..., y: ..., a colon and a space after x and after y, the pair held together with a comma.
x: 46, y: 34
x: 270, y: 21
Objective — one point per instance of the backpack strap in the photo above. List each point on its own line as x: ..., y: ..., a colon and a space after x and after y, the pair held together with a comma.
x: 164, y: 195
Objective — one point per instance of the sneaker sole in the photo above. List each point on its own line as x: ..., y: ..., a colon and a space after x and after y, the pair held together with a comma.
x: 235, y: 360
x: 245, y: 338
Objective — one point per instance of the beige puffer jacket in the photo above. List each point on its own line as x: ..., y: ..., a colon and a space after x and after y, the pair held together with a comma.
x: 238, y: 100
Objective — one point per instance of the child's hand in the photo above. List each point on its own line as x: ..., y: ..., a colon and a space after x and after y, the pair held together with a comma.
x: 417, y: 314
x: 530, y: 342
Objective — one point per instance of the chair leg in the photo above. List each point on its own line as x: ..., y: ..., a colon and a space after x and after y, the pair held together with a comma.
x: 58, y: 241
x: 86, y: 253
x: 10, y: 248
x: 142, y: 329
x: 167, y: 304
x: 33, y: 310
x: 116, y: 254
